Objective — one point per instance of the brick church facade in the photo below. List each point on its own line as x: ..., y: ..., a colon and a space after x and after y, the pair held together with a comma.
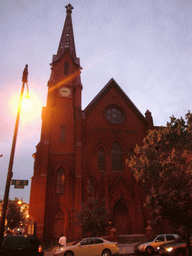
x: 82, y: 147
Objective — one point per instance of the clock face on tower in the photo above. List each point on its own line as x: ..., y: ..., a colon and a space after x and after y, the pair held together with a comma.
x: 64, y: 91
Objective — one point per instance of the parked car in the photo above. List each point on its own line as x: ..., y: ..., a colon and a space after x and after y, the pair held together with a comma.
x: 89, y: 247
x: 176, y: 248
x: 151, y: 245
x: 21, y: 245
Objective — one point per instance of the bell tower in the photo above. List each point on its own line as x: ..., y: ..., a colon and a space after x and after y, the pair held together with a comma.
x: 57, y: 181
x: 64, y: 89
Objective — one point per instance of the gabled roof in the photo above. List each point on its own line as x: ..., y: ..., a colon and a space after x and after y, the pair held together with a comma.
x: 119, y: 180
x: 56, y: 58
x: 113, y: 84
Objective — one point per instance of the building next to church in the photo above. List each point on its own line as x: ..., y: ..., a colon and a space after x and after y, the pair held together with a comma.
x: 80, y: 147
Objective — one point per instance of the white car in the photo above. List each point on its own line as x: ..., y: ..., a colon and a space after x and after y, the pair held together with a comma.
x: 150, y: 246
x: 92, y: 246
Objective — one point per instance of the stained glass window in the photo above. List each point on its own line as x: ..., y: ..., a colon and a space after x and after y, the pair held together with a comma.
x: 114, y: 115
x: 101, y: 159
x: 62, y: 133
x: 60, y: 181
x: 117, y: 157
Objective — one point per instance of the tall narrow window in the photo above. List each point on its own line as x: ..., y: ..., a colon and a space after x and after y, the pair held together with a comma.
x: 101, y: 159
x: 90, y: 188
x: 117, y: 157
x: 66, y: 68
x: 60, y: 181
x: 62, y: 134
x: 131, y: 153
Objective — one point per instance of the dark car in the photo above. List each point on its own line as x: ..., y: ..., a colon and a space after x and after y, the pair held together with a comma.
x: 176, y: 248
x: 21, y: 245
x: 151, y: 245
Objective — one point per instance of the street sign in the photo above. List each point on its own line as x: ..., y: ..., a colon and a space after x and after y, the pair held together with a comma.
x: 19, y: 183
x: 19, y: 186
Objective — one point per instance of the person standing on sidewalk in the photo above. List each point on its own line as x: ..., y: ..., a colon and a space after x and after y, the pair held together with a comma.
x: 62, y: 240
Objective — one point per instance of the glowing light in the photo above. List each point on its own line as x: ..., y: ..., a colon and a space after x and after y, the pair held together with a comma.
x: 169, y: 249
x: 27, y: 104
x: 30, y: 108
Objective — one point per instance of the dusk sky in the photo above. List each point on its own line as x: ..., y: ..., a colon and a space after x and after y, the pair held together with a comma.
x: 145, y: 45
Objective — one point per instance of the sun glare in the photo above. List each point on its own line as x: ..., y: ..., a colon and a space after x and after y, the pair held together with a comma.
x: 30, y: 107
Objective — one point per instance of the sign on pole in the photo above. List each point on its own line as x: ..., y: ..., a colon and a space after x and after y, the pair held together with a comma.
x: 19, y: 183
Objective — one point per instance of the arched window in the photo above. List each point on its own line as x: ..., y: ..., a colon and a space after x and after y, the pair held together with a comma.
x: 90, y: 187
x: 117, y: 157
x: 101, y: 159
x: 66, y: 68
x: 62, y: 133
x: 60, y: 181
x: 120, y: 207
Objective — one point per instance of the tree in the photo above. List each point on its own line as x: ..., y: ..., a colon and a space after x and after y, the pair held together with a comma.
x: 14, y: 214
x: 93, y: 217
x: 164, y: 164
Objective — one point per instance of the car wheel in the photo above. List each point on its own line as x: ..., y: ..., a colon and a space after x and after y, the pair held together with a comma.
x: 149, y: 250
x: 69, y: 253
x: 106, y: 252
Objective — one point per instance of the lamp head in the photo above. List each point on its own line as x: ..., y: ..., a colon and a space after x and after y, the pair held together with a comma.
x: 25, y: 74
x: 27, y: 97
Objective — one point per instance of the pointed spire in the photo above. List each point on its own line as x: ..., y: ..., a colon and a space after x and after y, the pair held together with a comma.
x: 67, y: 38
x: 149, y: 119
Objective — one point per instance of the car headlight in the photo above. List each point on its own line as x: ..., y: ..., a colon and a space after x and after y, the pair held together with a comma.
x: 169, y: 249
x: 59, y: 249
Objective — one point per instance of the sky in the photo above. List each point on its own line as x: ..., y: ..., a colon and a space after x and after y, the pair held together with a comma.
x: 145, y: 45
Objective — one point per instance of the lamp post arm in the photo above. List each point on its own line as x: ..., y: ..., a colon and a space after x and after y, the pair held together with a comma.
x: 10, y: 173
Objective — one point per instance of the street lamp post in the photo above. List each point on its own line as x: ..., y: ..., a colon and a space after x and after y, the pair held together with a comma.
x: 10, y: 173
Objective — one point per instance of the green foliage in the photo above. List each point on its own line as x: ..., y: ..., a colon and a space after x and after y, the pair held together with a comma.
x: 164, y: 164
x: 93, y: 217
x: 14, y: 215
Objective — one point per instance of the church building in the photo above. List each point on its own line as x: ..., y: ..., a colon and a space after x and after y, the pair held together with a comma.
x: 79, y: 148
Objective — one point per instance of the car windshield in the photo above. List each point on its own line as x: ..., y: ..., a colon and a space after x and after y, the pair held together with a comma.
x: 76, y: 242
x: 179, y: 239
x: 150, y: 239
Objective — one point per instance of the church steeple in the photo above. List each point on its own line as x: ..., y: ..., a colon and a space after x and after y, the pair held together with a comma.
x: 67, y: 39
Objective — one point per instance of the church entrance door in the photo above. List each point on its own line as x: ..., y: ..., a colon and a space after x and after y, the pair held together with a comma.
x: 122, y: 221
x: 58, y: 226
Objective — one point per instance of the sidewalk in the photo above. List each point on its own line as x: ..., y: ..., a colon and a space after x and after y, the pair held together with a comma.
x: 126, y: 248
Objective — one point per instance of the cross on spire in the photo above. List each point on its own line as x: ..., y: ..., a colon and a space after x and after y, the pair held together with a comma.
x: 69, y: 8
